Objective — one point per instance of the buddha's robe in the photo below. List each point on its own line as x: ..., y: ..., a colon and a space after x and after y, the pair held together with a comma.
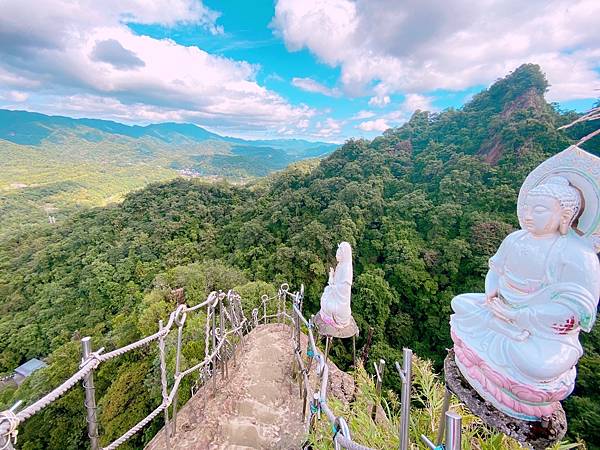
x: 526, y: 364
x: 335, y: 300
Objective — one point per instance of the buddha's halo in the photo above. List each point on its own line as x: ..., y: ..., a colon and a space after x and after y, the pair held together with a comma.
x: 582, y: 170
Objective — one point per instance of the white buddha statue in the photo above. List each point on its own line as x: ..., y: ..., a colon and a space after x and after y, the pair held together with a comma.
x: 518, y: 344
x: 335, y: 300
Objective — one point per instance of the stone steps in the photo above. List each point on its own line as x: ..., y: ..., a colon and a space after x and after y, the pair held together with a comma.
x: 258, y: 407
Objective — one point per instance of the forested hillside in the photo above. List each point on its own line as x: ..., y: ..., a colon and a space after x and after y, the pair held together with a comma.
x: 53, y: 165
x: 424, y: 206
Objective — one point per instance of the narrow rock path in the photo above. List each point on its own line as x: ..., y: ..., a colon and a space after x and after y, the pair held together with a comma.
x: 257, y: 407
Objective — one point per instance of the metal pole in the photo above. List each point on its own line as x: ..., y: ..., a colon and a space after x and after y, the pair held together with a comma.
x: 163, y: 381
x: 223, y: 350
x: 265, y: 310
x: 327, y: 340
x: 177, y: 365
x: 90, y: 396
x: 298, y: 334
x: 378, y: 382
x: 406, y: 376
x: 214, y: 345
x: 441, y: 426
x: 304, y: 398
x: 309, y: 346
x: 314, y: 410
x: 453, y: 431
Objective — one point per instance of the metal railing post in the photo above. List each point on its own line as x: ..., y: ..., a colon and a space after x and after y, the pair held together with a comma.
x: 223, y: 350
x: 90, y: 396
x: 163, y: 382
x: 177, y: 371
x: 406, y: 376
x: 314, y: 410
x: 453, y: 431
x: 298, y: 331
x: 265, y: 310
x: 442, y: 425
x: 378, y: 382
x: 309, y: 346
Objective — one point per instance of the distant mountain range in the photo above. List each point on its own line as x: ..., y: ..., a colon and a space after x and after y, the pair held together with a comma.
x: 29, y: 128
x: 50, y: 163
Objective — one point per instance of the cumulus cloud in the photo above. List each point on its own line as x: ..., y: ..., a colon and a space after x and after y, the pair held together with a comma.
x: 414, y: 102
x: 14, y: 96
x: 374, y: 125
x: 329, y: 128
x: 387, y: 46
x: 82, y: 56
x: 364, y: 114
x: 310, y: 85
x: 380, y: 101
x: 112, y: 52
x: 411, y: 103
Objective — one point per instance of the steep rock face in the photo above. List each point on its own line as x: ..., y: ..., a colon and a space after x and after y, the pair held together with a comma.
x: 530, y: 103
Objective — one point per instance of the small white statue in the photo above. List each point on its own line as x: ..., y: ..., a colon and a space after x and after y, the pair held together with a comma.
x: 518, y: 344
x: 335, y: 301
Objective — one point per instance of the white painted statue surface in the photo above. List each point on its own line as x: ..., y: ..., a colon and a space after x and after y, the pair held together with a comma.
x: 518, y: 343
x: 335, y: 300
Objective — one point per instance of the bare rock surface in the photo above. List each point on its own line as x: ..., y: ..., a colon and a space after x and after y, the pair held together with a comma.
x: 341, y: 384
x: 536, y: 435
x: 325, y: 329
x: 257, y: 407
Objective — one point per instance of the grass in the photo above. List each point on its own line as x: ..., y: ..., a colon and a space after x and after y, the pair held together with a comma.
x: 426, y: 406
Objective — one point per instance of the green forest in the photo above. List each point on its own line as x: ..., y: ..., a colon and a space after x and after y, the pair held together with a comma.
x: 424, y: 207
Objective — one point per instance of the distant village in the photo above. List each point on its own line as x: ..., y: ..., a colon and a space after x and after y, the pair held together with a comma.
x: 190, y: 173
x: 23, y: 371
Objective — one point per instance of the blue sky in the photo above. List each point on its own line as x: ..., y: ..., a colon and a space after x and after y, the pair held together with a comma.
x: 321, y: 70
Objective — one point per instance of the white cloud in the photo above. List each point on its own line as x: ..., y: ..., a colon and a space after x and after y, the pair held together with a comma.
x: 310, y: 85
x: 388, y: 46
x: 14, y: 96
x: 413, y: 102
x: 323, y: 26
x: 364, y: 114
x: 380, y: 101
x: 374, y: 125
x: 410, y: 104
x: 80, y: 58
x: 329, y: 128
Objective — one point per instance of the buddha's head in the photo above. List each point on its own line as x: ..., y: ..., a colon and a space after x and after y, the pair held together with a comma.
x: 551, y: 207
x: 344, y: 252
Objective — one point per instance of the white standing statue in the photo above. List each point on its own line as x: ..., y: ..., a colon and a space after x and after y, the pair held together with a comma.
x: 518, y: 344
x: 335, y: 301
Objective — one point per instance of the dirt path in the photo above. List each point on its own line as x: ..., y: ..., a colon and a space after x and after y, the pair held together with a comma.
x: 258, y: 407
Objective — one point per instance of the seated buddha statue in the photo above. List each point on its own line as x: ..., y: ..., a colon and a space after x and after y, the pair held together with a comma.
x: 517, y: 344
x: 335, y: 300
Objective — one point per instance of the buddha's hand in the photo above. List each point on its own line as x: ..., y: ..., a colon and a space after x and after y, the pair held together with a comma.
x: 331, y: 273
x: 501, y: 310
x: 490, y: 297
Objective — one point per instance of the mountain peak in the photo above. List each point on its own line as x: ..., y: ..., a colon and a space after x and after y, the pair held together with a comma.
x: 527, y: 80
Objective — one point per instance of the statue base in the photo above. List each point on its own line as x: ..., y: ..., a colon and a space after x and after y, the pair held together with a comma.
x: 537, y: 435
x: 325, y: 329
